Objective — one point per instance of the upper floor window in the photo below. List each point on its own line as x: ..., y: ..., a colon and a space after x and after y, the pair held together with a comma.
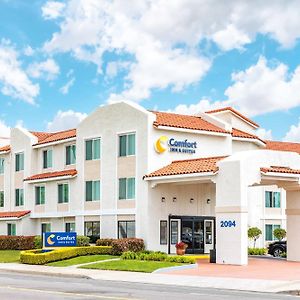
x: 92, y: 190
x: 1, y: 165
x: 127, y: 144
x: 272, y: 199
x: 63, y: 193
x: 92, y: 149
x: 71, y: 155
x: 47, y: 159
x: 19, y: 197
x: 1, y: 198
x: 39, y: 195
x: 126, y: 188
x: 19, y: 161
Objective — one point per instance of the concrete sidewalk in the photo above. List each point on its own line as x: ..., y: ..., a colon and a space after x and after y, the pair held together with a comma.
x: 158, y: 278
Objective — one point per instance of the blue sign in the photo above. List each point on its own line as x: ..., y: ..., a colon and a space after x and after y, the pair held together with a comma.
x: 228, y: 223
x: 60, y: 239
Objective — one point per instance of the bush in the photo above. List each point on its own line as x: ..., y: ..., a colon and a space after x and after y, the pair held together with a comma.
x: 83, y: 241
x: 105, y: 242
x: 8, y: 242
x: 157, y: 256
x: 279, y: 233
x: 37, y: 257
x: 283, y: 255
x: 130, y: 244
x: 257, y: 251
x: 38, y: 242
x: 253, y: 234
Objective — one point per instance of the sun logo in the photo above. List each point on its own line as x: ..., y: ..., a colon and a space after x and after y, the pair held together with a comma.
x: 161, y: 144
x: 49, y: 239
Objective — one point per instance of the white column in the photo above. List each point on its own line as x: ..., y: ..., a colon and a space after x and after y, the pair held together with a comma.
x: 79, y: 224
x: 293, y: 225
x: 231, y: 214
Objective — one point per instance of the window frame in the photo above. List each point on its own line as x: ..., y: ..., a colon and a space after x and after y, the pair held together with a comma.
x: 19, y: 167
x: 92, y: 148
x: 92, y: 189
x: 66, y: 155
x: 17, y: 199
x: 161, y: 240
x: 126, y: 136
x: 273, y: 200
x: 126, y: 222
x: 35, y: 194
x: 127, y: 180
x: 274, y: 226
x: 68, y: 224
x: 2, y: 198
x: 63, y: 195
x: 2, y: 165
x: 47, y: 164
x: 93, y: 227
x: 11, y: 232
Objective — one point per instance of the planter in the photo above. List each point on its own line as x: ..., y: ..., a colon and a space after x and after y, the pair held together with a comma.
x: 180, y: 251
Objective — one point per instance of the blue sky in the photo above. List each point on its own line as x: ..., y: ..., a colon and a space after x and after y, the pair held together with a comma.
x: 59, y: 60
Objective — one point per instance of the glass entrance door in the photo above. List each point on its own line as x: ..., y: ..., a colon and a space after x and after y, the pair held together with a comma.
x: 192, y: 233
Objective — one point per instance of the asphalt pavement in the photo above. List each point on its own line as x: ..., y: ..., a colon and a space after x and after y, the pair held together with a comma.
x: 23, y: 286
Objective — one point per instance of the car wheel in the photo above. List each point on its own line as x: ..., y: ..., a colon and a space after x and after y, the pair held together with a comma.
x: 277, y: 252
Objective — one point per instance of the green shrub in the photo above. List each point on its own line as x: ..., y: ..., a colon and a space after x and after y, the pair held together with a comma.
x: 105, y: 242
x: 83, y: 241
x: 130, y: 244
x: 8, y: 242
x: 37, y: 257
x: 257, y: 251
x: 283, y: 255
x: 181, y: 259
x: 38, y: 242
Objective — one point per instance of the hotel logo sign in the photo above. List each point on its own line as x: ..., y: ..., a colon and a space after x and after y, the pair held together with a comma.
x: 163, y: 144
x: 60, y: 239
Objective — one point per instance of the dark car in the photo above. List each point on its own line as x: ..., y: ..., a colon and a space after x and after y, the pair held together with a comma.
x: 277, y: 248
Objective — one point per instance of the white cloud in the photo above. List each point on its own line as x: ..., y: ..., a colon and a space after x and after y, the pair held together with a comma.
x: 293, y: 134
x: 65, y: 89
x: 52, y: 9
x: 114, y: 67
x: 65, y: 120
x: 47, y: 69
x: 264, y: 134
x: 4, y: 133
x: 14, y: 81
x: 263, y: 88
x: 28, y: 51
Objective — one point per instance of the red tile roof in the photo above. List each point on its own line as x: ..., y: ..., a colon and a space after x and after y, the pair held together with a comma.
x: 44, y: 138
x: 14, y: 214
x: 283, y: 146
x: 5, y: 148
x: 189, y: 166
x: 242, y: 134
x: 276, y: 169
x: 184, y: 121
x: 233, y: 111
x: 71, y: 172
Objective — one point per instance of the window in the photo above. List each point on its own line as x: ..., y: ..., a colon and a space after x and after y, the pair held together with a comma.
x: 11, y: 229
x: 92, y: 149
x: 63, y: 193
x: 39, y: 195
x: 47, y: 159
x: 272, y: 199
x: 46, y: 227
x: 92, y: 190
x: 269, y: 236
x: 126, y: 229
x: 126, y: 188
x: 174, y: 232
x: 92, y: 230
x: 163, y: 232
x: 127, y: 144
x: 19, y: 197
x: 1, y: 198
x: 70, y: 227
x: 71, y: 155
x: 1, y: 165
x: 19, y: 162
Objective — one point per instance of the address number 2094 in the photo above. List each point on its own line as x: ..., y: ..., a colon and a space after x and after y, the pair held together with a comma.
x: 228, y: 223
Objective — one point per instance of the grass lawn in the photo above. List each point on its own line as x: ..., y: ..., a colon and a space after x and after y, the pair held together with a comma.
x: 80, y: 260
x: 132, y: 265
x: 9, y: 256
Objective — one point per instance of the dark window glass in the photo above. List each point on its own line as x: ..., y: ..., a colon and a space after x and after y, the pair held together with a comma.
x: 163, y: 232
x: 126, y: 229
x: 174, y: 232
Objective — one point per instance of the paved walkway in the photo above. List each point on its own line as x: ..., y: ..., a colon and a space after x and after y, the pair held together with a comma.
x: 261, y: 275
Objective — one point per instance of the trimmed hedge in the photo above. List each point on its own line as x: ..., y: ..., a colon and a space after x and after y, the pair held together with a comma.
x: 37, y: 257
x: 105, y: 242
x: 257, y: 251
x: 8, y: 242
x: 129, y: 244
x: 157, y: 256
x: 83, y: 241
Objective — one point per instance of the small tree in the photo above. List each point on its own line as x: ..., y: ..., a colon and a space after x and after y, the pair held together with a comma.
x: 279, y: 233
x: 253, y: 234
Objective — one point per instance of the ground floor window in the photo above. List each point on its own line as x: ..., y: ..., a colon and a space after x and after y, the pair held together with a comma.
x: 269, y: 229
x: 70, y: 227
x: 174, y: 232
x: 126, y: 229
x: 11, y: 229
x: 163, y: 232
x: 46, y: 227
x: 92, y: 230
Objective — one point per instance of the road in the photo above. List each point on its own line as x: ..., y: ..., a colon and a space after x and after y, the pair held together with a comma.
x: 15, y: 286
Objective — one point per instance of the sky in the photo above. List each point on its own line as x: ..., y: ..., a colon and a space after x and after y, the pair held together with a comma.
x: 60, y: 60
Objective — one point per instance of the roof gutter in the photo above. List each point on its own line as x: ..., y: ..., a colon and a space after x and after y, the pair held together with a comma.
x: 41, y: 145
